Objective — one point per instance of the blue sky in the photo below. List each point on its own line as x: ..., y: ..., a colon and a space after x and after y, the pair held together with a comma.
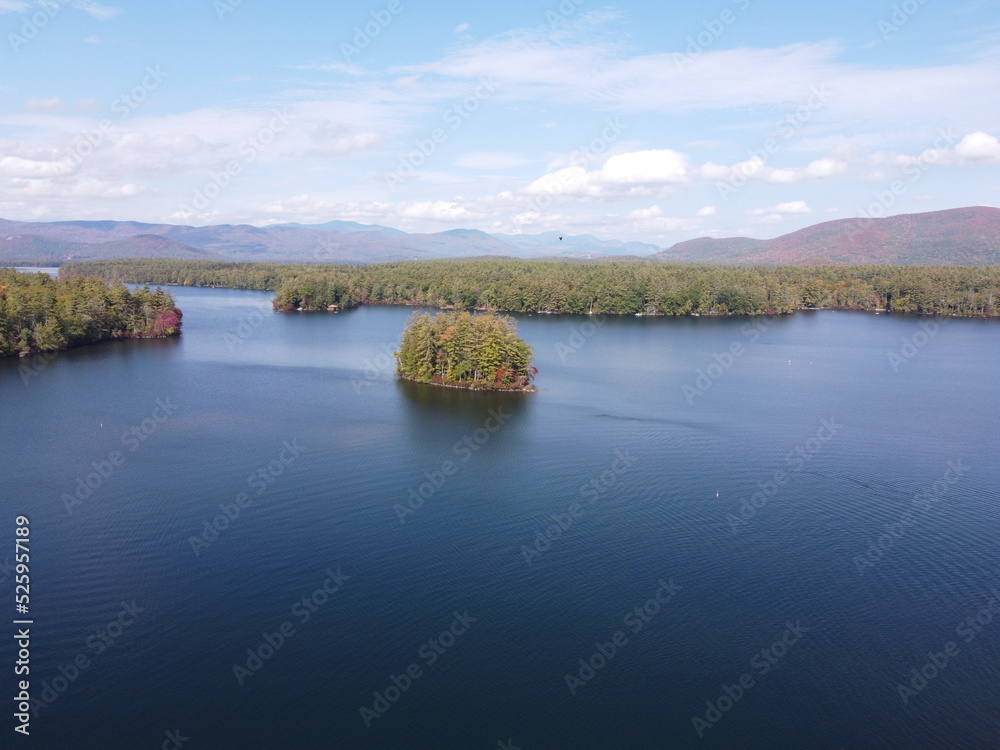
x: 657, y: 122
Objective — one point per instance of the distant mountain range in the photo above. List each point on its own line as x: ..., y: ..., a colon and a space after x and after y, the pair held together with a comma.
x: 332, y: 242
x: 960, y: 236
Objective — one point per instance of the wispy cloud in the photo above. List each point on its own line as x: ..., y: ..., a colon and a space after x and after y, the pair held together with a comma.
x: 102, y: 12
x: 50, y: 105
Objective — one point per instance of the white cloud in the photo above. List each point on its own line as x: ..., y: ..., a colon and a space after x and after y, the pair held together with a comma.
x: 825, y: 168
x: 627, y: 173
x: 645, y: 168
x: 74, y: 190
x: 707, y: 211
x: 16, y: 166
x: 571, y: 67
x: 645, y: 213
x: 776, y: 212
x: 448, y: 211
x: 979, y: 146
x: 461, y: 28
x: 757, y: 169
x: 13, y: 6
x: 793, y: 207
x: 101, y: 12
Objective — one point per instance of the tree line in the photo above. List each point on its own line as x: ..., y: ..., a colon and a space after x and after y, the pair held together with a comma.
x: 613, y: 288
x: 41, y: 314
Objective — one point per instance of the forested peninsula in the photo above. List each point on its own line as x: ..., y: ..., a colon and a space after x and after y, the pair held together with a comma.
x: 613, y: 288
x: 42, y: 314
x: 481, y: 352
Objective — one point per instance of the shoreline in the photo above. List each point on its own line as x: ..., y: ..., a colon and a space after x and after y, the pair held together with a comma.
x: 526, y: 389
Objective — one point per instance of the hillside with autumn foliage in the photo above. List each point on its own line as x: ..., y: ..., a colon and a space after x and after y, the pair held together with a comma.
x: 41, y: 314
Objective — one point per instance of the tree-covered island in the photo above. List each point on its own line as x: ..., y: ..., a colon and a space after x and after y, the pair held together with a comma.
x: 462, y: 350
x: 42, y: 314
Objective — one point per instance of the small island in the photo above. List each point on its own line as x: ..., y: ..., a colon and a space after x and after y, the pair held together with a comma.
x: 40, y: 314
x: 462, y: 350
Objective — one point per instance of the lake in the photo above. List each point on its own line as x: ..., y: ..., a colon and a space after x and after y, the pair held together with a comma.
x: 718, y: 533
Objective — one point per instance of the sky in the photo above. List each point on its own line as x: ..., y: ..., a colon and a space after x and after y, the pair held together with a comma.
x: 650, y: 121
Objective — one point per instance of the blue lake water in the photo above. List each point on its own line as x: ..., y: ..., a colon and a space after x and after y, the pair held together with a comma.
x: 803, y: 510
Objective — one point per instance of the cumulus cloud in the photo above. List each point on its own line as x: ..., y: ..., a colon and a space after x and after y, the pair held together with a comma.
x: 619, y: 174
x: 16, y: 166
x: 793, y: 207
x: 707, y: 211
x: 645, y: 168
x: 979, y: 146
x: 645, y: 213
x: 448, y: 211
x: 757, y: 169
